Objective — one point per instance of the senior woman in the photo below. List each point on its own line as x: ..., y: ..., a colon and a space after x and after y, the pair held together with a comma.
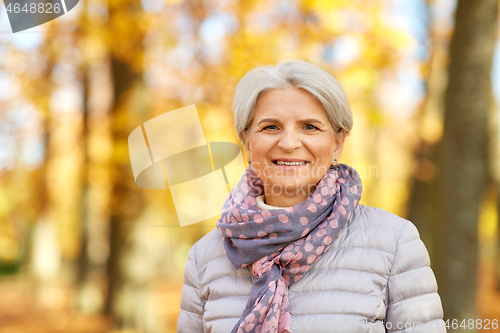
x: 294, y: 250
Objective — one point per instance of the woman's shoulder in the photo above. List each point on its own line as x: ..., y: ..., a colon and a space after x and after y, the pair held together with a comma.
x: 381, y: 228
x: 210, y: 258
x: 210, y: 246
x: 374, y: 217
x: 209, y: 251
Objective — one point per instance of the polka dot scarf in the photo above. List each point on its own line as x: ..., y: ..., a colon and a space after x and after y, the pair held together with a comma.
x: 283, y: 244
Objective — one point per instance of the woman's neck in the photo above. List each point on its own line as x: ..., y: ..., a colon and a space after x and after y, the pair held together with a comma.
x: 284, y: 200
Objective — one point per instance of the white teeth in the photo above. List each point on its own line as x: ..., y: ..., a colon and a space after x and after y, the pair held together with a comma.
x: 289, y: 163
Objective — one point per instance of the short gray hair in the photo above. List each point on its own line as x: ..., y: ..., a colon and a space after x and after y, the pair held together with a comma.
x: 296, y: 73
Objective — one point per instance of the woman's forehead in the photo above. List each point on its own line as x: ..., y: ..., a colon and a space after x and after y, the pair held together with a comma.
x: 288, y: 103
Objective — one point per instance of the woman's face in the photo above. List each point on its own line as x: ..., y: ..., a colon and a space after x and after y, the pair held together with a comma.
x: 290, y: 125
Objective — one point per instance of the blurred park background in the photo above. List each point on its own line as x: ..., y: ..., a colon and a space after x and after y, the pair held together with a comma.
x: 84, y: 249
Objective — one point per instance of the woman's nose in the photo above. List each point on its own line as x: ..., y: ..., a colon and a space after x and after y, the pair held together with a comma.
x: 289, y: 141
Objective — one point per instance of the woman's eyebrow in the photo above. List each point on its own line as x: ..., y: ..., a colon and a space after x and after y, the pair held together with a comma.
x: 311, y: 120
x: 268, y: 120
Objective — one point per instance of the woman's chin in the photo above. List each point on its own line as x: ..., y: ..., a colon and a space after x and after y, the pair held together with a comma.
x: 292, y: 187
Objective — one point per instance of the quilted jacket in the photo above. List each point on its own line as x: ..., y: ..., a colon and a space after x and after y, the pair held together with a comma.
x: 376, y: 277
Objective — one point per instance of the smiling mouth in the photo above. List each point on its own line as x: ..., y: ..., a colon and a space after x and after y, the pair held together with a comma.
x: 283, y: 163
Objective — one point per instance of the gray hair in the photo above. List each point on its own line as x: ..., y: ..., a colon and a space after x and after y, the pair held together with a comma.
x: 291, y: 73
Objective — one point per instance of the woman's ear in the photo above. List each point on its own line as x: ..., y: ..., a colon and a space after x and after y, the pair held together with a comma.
x: 339, y: 144
x: 247, y: 145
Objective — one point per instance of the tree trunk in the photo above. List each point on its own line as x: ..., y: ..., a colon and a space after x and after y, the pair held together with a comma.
x: 126, y: 201
x: 84, y: 264
x: 420, y: 207
x: 462, y: 156
x: 123, y: 78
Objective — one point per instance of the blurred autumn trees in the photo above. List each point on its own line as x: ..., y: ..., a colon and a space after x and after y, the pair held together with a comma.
x: 75, y: 224
x: 463, y: 155
x: 450, y: 203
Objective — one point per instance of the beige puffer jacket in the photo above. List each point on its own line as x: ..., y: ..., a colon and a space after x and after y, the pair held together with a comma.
x: 376, y: 277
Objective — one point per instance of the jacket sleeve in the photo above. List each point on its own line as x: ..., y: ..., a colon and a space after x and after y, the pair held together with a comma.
x: 413, y: 303
x: 192, y: 306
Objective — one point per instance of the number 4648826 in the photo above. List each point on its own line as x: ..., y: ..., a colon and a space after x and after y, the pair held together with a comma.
x: 485, y: 324
x: 34, y: 8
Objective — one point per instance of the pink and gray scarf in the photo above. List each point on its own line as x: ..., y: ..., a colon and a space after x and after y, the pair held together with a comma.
x: 283, y: 244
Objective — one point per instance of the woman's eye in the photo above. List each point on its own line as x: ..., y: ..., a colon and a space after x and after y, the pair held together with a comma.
x: 269, y: 126
x: 308, y: 127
